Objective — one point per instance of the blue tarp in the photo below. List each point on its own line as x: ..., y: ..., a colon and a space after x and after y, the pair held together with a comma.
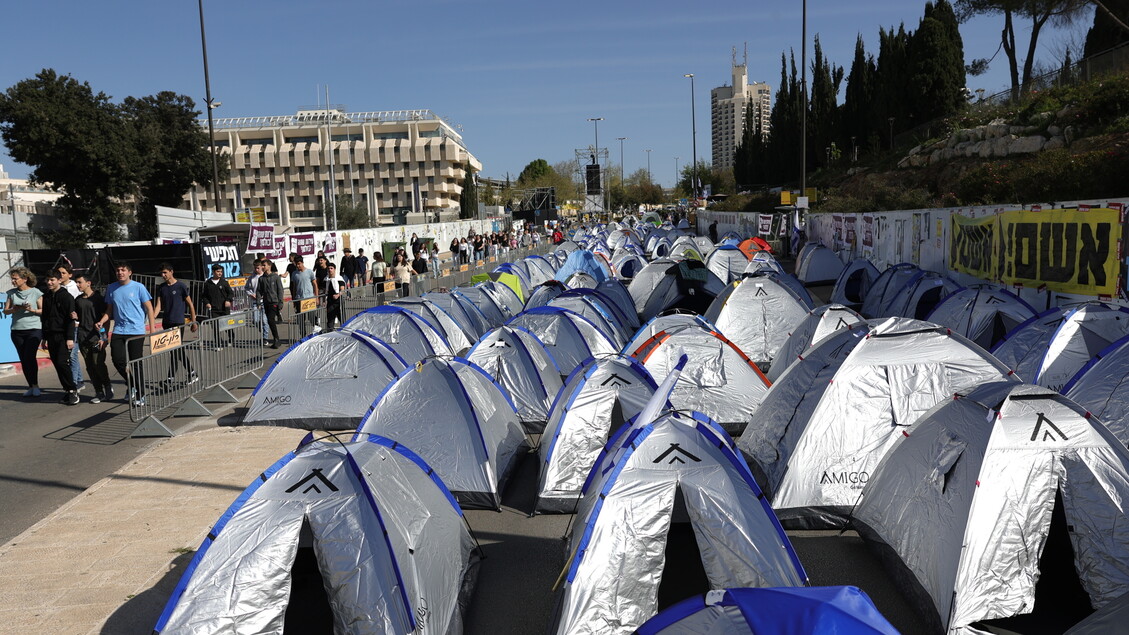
x: 844, y: 610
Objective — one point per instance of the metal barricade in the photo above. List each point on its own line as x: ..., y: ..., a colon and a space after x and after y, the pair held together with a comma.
x: 219, y: 349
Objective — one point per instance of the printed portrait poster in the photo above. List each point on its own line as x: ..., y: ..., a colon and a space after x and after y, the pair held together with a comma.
x: 849, y: 231
x: 868, y: 232
x: 278, y: 250
x: 302, y: 244
x: 330, y: 245
x: 837, y: 231
x: 260, y: 238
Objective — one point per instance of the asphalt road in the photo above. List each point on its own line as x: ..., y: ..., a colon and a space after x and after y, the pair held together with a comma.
x: 49, y: 453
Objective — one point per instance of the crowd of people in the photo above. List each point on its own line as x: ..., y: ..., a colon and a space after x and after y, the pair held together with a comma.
x: 72, y: 319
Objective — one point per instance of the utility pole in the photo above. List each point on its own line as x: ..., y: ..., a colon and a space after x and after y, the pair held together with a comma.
x: 804, y: 105
x: 332, y: 178
x: 211, y: 105
x: 694, y: 138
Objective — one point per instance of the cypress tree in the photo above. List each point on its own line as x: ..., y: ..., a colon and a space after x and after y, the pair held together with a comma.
x: 823, y: 108
x: 859, y: 121
x: 936, y: 55
x: 1106, y: 33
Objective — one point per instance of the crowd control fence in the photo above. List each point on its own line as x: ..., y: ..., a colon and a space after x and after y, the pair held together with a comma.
x: 187, y: 367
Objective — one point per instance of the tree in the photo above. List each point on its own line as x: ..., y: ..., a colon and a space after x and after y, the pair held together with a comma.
x: 99, y: 154
x: 1110, y: 28
x: 891, y: 77
x: 537, y: 169
x: 703, y: 175
x: 1039, y: 12
x: 77, y: 143
x: 823, y: 106
x: 171, y: 153
x: 859, y: 121
x: 468, y: 198
x: 351, y: 213
x: 936, y: 54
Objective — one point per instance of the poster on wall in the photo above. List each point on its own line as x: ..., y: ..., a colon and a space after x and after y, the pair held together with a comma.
x: 1066, y: 250
x: 260, y: 238
x: 225, y: 255
x: 278, y: 250
x: 850, y: 234
x: 329, y: 247
x: 764, y: 224
x: 302, y: 244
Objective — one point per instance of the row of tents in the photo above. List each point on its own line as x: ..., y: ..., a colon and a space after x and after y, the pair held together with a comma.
x: 631, y: 396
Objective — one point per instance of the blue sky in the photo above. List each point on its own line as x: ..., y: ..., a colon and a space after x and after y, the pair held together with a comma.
x: 520, y: 79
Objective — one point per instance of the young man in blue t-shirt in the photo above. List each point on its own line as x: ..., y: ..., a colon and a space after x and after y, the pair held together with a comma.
x: 130, y: 306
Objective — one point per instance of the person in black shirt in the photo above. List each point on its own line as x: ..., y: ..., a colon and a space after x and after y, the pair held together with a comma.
x: 174, y: 304
x: 58, y: 330
x: 419, y: 265
x: 348, y: 267
x: 215, y: 299
x: 89, y: 305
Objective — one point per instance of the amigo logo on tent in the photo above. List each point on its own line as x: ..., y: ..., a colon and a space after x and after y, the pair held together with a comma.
x: 855, y: 479
x: 279, y: 400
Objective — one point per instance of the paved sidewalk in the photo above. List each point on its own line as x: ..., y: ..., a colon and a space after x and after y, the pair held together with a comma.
x: 106, y: 561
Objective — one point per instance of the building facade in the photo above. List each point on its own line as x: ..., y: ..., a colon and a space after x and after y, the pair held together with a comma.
x: 727, y: 113
x: 401, y: 165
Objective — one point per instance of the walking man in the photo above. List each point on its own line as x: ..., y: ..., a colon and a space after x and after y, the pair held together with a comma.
x: 362, y: 268
x: 270, y: 292
x: 130, y: 306
x: 173, y: 304
x: 58, y: 330
x: 334, y: 285
x: 348, y: 267
x: 65, y: 274
x: 303, y: 287
x: 252, y: 288
x: 90, y: 306
x: 216, y: 300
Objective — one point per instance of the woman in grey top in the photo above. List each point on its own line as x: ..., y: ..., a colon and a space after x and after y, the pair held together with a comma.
x: 25, y: 305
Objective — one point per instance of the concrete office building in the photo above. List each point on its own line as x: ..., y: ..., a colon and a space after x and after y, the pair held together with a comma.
x: 405, y: 166
x: 727, y: 113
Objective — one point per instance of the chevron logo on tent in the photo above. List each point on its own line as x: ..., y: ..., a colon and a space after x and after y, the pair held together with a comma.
x: 1050, y: 431
x: 616, y: 380
x: 675, y: 449
x: 315, y: 475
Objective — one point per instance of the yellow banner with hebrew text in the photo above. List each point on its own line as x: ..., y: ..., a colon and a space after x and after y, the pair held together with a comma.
x: 1065, y: 250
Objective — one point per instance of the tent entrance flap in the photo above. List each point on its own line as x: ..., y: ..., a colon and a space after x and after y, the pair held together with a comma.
x: 308, y: 610
x: 1060, y: 600
x: 683, y: 575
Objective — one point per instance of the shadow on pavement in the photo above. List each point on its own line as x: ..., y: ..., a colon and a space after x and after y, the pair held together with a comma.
x: 140, y: 613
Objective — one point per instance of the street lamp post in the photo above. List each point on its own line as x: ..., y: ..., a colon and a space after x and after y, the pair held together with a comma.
x: 622, y: 169
x: 648, y: 151
x: 596, y: 130
x: 211, y: 105
x: 676, y: 171
x: 891, y: 134
x: 693, y: 139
